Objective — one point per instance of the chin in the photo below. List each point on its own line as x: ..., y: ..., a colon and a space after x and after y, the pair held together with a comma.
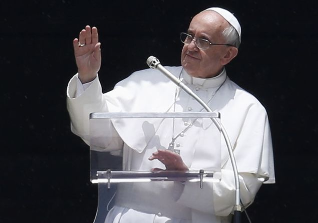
x: 195, y: 75
x: 191, y: 72
x: 189, y: 67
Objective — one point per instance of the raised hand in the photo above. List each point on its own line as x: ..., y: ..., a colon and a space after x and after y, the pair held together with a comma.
x: 87, y: 54
x: 171, y: 160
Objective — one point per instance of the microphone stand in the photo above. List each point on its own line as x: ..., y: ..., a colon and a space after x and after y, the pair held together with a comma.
x: 153, y: 63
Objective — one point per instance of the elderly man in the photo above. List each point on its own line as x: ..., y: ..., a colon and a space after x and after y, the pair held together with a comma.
x: 211, y: 42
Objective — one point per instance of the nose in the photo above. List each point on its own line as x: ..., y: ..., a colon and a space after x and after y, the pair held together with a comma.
x: 193, y: 45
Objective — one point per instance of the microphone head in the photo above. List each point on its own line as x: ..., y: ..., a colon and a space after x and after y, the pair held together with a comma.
x: 153, y: 62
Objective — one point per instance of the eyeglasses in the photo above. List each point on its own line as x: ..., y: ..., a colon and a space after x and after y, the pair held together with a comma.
x: 201, y: 43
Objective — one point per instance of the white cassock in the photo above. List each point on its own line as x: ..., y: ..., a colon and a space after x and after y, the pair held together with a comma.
x: 242, y: 115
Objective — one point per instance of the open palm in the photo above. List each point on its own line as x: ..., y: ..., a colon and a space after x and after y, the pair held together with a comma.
x: 87, y: 54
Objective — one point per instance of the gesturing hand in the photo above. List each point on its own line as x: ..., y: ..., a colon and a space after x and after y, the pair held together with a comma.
x: 171, y: 160
x: 87, y: 54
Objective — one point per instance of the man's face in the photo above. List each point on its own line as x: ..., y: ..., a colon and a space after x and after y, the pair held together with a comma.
x: 205, y: 63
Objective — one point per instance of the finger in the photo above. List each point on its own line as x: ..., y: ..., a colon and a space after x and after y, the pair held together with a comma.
x: 76, y: 46
x: 167, y: 154
x: 156, y: 157
x: 97, y: 51
x: 82, y: 37
x: 153, y: 157
x: 156, y: 169
x: 88, y: 38
x: 75, y: 43
x: 94, y: 35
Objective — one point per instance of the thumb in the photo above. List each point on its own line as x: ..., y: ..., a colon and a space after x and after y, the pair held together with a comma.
x: 156, y: 169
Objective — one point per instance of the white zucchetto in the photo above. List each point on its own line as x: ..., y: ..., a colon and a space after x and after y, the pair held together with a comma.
x: 228, y: 16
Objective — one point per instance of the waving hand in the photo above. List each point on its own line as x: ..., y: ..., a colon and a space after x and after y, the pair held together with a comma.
x: 87, y: 54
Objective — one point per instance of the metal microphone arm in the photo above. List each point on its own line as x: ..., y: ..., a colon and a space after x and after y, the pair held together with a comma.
x: 153, y: 63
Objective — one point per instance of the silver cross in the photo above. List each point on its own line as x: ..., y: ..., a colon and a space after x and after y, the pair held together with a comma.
x: 172, y: 149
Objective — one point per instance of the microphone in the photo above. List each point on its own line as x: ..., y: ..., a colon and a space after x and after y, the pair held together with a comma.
x: 154, y: 63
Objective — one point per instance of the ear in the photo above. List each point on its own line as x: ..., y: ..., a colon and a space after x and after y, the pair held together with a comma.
x: 229, y: 55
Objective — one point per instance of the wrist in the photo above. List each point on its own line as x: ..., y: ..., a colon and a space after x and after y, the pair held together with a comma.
x: 86, y: 78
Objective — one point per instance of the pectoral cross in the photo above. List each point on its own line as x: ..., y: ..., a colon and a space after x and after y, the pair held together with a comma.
x: 172, y: 149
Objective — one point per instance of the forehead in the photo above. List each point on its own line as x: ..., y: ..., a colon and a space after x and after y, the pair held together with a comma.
x: 208, y: 22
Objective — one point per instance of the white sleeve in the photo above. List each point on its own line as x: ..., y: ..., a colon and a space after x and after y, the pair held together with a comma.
x: 219, y: 197
x: 80, y: 88
x: 83, y: 100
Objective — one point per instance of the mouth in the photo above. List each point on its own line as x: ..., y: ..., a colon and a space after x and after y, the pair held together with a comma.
x: 191, y: 57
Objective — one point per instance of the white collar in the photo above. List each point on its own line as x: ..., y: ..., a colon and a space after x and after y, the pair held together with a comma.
x: 205, y: 82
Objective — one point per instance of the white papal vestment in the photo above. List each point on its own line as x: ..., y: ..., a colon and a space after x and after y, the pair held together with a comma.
x: 242, y: 116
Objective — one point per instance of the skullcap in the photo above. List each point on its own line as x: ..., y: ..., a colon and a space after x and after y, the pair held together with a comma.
x: 228, y: 16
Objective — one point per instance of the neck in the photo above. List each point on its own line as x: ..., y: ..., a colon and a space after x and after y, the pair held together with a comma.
x: 217, y: 73
x: 213, y: 74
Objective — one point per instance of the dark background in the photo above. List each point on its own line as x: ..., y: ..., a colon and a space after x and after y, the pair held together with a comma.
x: 45, y: 168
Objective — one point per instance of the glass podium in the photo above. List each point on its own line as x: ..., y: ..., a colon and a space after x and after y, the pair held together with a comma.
x: 121, y: 143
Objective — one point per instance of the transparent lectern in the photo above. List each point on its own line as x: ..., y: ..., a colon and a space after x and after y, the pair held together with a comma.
x: 121, y: 143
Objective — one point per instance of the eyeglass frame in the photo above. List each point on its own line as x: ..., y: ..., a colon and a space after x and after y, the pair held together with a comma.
x: 193, y: 38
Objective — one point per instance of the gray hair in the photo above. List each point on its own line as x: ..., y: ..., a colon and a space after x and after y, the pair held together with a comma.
x: 231, y: 36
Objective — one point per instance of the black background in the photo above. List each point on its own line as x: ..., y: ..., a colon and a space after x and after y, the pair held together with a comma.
x: 45, y: 168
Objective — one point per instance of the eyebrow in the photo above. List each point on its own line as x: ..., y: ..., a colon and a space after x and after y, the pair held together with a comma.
x: 202, y: 37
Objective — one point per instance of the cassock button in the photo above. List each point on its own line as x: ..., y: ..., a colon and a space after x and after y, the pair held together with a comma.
x: 197, y: 88
x: 178, y: 145
x: 189, y: 109
x: 159, y: 214
x: 181, y: 134
x: 186, y: 123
